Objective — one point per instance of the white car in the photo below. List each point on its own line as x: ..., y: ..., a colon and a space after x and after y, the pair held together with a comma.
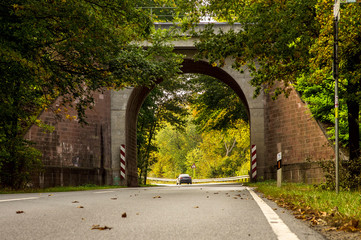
x: 184, y: 178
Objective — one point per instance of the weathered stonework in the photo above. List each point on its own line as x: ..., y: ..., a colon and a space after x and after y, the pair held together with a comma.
x: 290, y: 129
x: 73, y: 153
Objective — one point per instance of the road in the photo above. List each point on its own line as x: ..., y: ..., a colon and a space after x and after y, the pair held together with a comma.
x: 226, y: 211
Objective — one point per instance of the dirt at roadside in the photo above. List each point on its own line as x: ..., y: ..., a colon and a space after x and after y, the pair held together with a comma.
x: 334, y: 234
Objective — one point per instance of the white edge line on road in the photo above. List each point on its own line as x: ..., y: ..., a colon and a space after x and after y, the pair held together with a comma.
x: 278, y: 226
x: 103, y: 192
x: 18, y: 199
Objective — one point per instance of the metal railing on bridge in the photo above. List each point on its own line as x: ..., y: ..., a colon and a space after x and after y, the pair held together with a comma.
x: 167, y: 14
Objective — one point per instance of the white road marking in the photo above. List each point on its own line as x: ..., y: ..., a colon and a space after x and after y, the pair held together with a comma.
x: 18, y: 199
x: 278, y: 226
x: 103, y: 192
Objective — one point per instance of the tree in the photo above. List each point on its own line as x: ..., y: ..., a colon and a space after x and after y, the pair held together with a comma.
x: 214, y: 104
x: 68, y: 50
x: 215, y: 153
x: 349, y: 67
x: 163, y: 105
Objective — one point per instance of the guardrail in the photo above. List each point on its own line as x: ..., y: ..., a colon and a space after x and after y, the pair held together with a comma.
x: 228, y: 179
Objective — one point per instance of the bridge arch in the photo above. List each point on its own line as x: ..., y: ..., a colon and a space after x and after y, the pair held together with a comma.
x: 134, y: 98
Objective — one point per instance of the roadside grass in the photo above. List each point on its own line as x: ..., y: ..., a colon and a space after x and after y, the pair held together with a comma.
x: 338, y: 211
x: 85, y: 187
x: 58, y: 189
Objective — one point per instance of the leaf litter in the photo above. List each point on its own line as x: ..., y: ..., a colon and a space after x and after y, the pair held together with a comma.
x: 333, y: 220
x: 98, y: 227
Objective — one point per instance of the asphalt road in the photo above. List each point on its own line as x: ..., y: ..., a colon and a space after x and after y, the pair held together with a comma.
x: 227, y: 211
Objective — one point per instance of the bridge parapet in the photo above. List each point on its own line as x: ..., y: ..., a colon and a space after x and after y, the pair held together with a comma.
x: 188, y: 43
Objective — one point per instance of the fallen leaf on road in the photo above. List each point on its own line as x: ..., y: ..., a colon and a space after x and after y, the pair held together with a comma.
x: 137, y: 213
x: 19, y: 212
x: 216, y: 193
x: 196, y: 207
x: 98, y: 227
x: 75, y: 202
x: 80, y: 207
x: 235, y: 197
x: 124, y: 215
x: 114, y: 198
x: 207, y: 196
x: 50, y: 195
x: 157, y: 197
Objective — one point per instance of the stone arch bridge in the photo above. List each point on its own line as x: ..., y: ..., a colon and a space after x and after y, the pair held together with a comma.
x: 75, y: 155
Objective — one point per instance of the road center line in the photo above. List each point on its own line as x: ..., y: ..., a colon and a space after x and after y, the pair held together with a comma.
x: 103, y: 192
x: 278, y: 226
x: 18, y: 199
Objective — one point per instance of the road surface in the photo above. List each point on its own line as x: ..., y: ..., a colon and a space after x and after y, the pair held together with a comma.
x: 226, y: 211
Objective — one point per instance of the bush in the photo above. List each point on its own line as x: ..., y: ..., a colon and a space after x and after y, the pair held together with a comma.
x: 18, y: 163
x: 349, y: 174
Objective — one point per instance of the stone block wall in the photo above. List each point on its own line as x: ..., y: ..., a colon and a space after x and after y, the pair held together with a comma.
x: 290, y: 129
x: 74, y: 154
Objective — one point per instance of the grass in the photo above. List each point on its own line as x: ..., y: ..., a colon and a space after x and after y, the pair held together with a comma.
x: 340, y: 211
x: 58, y: 189
x: 86, y: 187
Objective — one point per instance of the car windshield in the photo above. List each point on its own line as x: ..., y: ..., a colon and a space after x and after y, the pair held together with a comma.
x: 184, y: 175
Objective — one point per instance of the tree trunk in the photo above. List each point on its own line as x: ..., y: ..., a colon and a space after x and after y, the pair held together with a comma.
x: 354, y: 131
x: 229, y: 150
x: 147, y: 153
